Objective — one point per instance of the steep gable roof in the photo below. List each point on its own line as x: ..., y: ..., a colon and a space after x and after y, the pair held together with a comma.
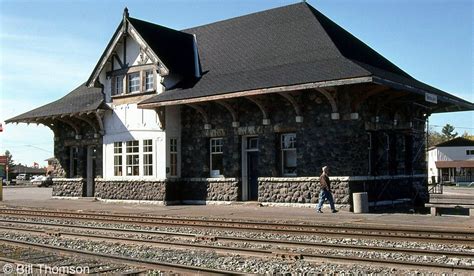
x: 291, y: 45
x: 81, y: 99
x: 457, y: 142
x: 174, y: 48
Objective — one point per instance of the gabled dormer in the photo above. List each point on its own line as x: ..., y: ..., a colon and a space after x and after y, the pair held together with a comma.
x: 144, y: 59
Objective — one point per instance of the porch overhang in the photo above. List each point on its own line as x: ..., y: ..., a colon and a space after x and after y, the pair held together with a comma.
x: 455, y: 164
x: 256, y: 92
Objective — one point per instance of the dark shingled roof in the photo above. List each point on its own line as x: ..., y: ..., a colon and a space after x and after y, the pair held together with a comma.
x: 290, y: 45
x: 81, y: 99
x: 174, y: 48
x: 457, y: 142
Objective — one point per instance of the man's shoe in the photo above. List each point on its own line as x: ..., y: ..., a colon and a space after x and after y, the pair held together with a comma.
x: 335, y: 211
x: 319, y: 211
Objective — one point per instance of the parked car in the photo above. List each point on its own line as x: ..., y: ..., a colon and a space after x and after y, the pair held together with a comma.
x: 22, y: 176
x: 38, y: 178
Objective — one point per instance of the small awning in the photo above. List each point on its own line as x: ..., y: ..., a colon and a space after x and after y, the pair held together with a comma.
x: 455, y: 164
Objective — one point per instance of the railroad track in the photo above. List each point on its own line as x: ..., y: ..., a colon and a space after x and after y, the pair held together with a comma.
x: 281, y: 253
x: 432, y: 235
x: 30, y: 261
x: 106, y: 258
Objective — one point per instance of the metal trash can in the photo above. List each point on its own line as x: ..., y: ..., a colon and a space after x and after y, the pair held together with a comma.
x: 361, y: 202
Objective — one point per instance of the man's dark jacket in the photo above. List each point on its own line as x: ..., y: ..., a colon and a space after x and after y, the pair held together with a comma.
x: 325, y: 182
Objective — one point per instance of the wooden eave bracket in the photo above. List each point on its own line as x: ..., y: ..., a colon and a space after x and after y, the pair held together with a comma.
x: 296, y: 106
x: 203, y: 113
x: 232, y: 111
x: 261, y: 106
x: 335, y: 114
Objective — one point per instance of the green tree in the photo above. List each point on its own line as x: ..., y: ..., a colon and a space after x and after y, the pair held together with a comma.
x: 435, y: 138
x: 448, y: 132
x: 467, y: 136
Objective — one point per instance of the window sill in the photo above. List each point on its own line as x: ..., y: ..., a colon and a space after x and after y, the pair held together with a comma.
x: 133, y: 94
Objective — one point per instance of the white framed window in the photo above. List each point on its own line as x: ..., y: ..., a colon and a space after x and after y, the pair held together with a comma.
x: 469, y: 152
x: 148, y: 80
x: 118, y: 85
x: 148, y: 157
x: 216, y: 161
x: 118, y: 169
x: 134, y: 82
x: 288, y: 154
x: 132, y: 158
x: 173, y: 157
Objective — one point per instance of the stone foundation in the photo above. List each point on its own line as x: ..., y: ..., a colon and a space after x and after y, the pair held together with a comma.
x: 300, y: 189
x: 70, y: 187
x: 209, y: 189
x: 131, y: 189
x: 279, y: 190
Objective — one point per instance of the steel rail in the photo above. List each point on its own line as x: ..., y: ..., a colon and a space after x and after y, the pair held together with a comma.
x: 384, y: 232
x: 267, y: 253
x: 122, y: 259
x: 235, y: 239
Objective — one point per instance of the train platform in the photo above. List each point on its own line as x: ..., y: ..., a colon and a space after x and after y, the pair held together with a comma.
x: 40, y: 198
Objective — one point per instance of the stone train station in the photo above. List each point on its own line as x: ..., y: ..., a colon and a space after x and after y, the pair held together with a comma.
x: 245, y: 109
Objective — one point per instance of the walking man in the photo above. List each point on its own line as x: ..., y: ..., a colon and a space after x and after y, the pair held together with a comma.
x: 325, y: 192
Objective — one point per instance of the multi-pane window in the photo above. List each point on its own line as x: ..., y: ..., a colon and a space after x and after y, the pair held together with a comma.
x: 132, y: 158
x: 288, y: 154
x: 469, y: 152
x: 216, y: 157
x: 173, y: 157
x: 118, y: 159
x: 118, y: 85
x: 134, y: 82
x: 148, y: 80
x: 148, y: 157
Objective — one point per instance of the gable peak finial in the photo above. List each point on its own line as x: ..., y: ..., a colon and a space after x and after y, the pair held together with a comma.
x: 125, y: 12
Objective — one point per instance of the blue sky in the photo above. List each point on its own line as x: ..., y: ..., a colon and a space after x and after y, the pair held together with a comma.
x: 47, y: 48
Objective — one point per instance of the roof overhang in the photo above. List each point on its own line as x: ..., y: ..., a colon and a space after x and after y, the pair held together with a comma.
x: 455, y: 164
x: 255, y: 92
x: 450, y: 103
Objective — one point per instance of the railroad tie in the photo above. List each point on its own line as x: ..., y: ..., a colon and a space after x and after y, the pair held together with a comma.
x: 205, y: 238
x: 287, y: 255
x: 52, y: 233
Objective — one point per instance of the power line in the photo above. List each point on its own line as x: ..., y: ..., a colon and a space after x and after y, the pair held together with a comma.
x: 453, y: 126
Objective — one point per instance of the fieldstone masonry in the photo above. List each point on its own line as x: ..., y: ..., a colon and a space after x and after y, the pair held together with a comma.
x: 210, y: 189
x: 130, y: 190
x: 69, y: 187
x: 300, y: 189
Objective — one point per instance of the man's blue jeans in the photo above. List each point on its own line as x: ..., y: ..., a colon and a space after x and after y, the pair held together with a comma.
x: 323, y: 195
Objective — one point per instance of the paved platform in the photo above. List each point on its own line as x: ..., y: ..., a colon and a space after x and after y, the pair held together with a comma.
x: 33, y: 197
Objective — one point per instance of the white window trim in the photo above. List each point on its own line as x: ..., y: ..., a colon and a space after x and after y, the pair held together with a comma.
x: 129, y: 91
x: 141, y: 170
x: 215, y: 153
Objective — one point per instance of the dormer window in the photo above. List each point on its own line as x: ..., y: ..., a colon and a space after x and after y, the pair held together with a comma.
x: 134, y: 82
x: 148, y: 80
x: 118, y: 84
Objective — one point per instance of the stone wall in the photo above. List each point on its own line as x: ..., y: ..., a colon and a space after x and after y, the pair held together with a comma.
x: 208, y: 189
x: 130, y: 189
x: 69, y: 187
x: 300, y: 189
